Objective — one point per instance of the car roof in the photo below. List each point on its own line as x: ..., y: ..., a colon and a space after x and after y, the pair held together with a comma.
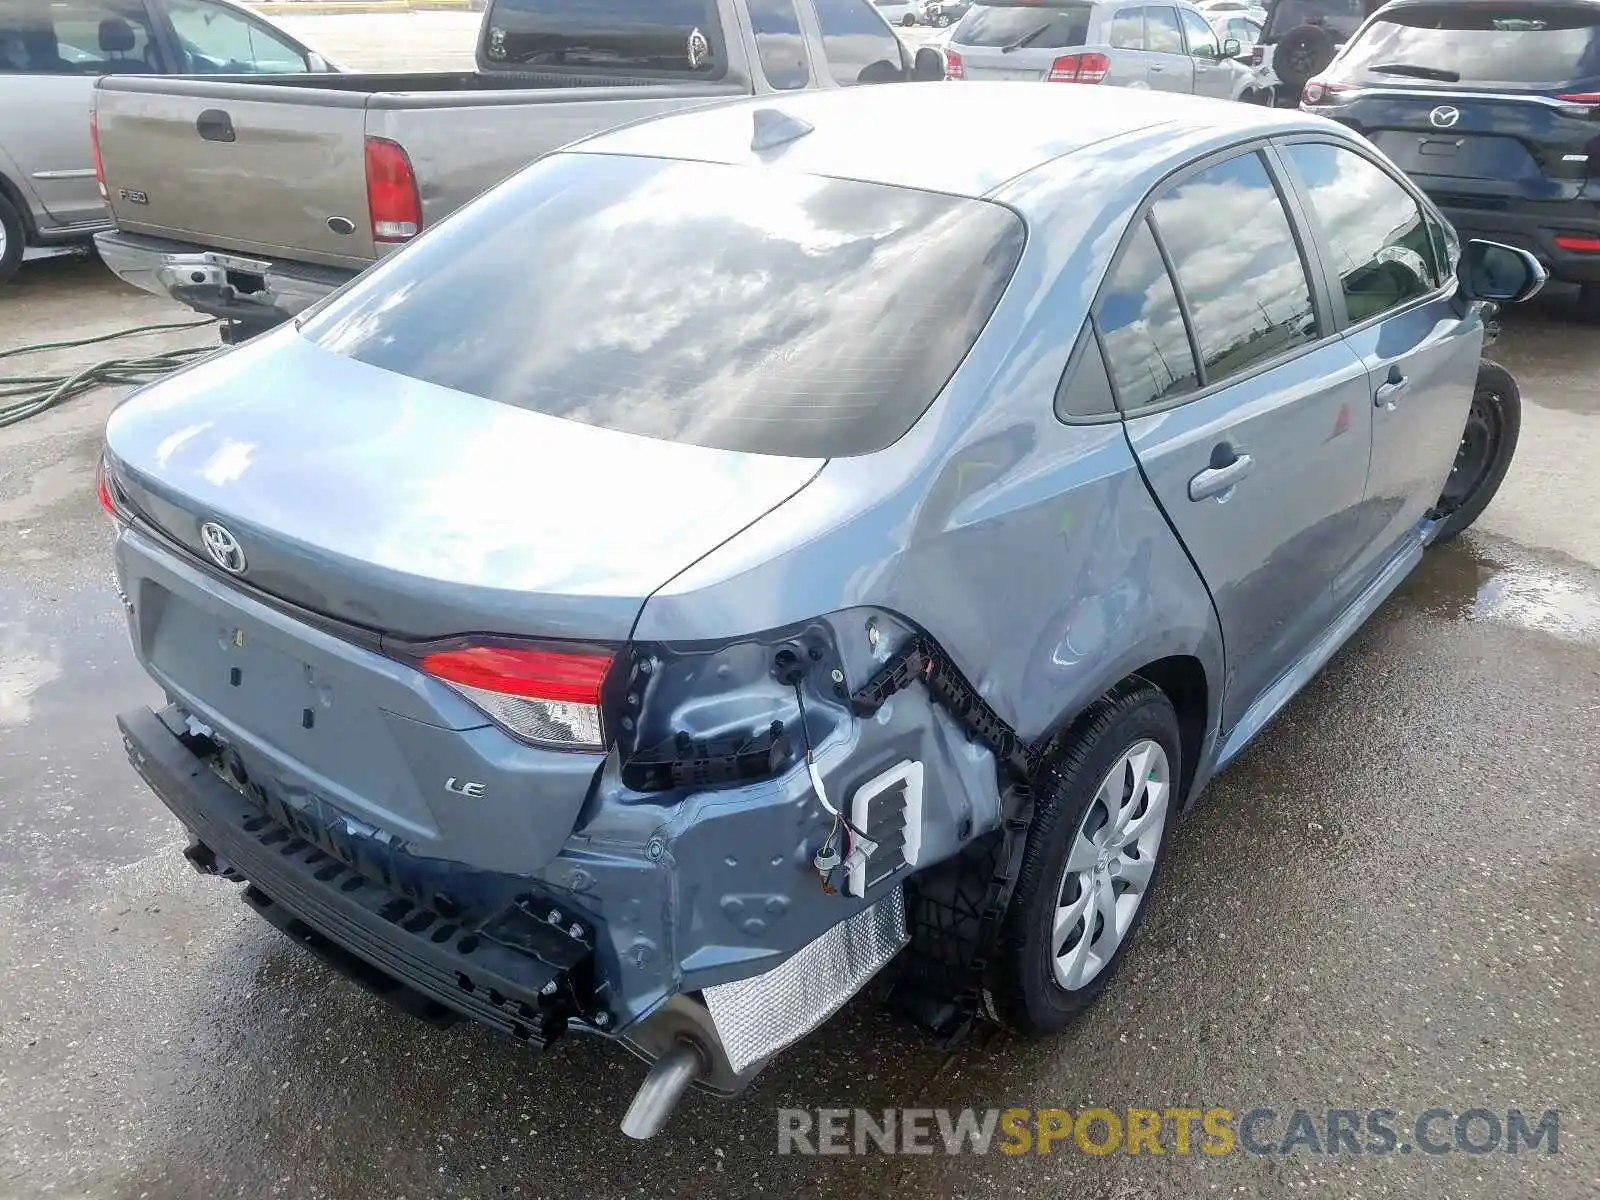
x: 965, y: 139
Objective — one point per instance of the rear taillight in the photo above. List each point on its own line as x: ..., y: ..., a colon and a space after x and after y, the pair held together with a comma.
x: 103, y: 489
x: 392, y: 192
x: 1079, y: 68
x: 1258, y: 55
x: 954, y: 68
x: 1320, y: 91
x: 547, y: 696
x: 99, y: 163
x: 1580, y: 245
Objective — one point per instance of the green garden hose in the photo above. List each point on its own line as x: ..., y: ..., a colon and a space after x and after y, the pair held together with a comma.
x: 24, y: 396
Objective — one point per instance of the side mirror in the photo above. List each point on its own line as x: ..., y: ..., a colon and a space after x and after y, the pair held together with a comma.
x: 318, y: 65
x: 1497, y: 272
x: 1231, y: 48
x: 928, y: 66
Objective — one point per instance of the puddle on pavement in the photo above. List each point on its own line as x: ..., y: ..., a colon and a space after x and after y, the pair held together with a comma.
x: 1471, y: 581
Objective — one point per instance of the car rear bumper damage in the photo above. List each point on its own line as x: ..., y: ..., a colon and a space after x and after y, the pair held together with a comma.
x: 254, y: 292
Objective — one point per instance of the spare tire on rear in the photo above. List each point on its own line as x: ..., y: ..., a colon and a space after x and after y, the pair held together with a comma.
x: 1301, y: 53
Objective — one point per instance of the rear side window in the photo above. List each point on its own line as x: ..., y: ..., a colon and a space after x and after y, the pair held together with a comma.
x: 1383, y: 249
x: 779, y: 43
x: 1530, y: 45
x: 1127, y: 29
x: 76, y: 37
x: 1146, y: 345
x: 738, y: 308
x: 1049, y: 26
x: 857, y: 43
x: 675, y: 37
x: 1245, y: 286
x: 1161, y: 31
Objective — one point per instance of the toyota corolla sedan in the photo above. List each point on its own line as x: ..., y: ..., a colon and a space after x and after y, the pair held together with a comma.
x: 751, y: 551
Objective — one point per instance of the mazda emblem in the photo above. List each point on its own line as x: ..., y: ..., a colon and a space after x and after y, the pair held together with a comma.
x: 1444, y: 117
x: 223, y: 548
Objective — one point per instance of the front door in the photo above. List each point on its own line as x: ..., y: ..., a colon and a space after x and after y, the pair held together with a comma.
x: 1212, y: 76
x: 1258, y: 452
x: 1422, y: 359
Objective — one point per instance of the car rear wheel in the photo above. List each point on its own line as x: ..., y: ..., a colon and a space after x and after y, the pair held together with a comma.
x: 908, y: 20
x: 12, y: 235
x: 1101, y: 820
x: 1483, y: 457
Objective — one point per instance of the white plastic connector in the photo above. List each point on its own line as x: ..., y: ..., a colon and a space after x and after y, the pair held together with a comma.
x: 907, y: 774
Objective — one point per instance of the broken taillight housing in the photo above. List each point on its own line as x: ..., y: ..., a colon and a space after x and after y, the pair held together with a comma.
x: 544, y: 695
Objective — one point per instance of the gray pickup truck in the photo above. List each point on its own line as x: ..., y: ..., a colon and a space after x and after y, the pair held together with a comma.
x: 250, y: 199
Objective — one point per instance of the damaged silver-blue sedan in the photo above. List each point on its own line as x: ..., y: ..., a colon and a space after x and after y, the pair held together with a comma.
x: 757, y: 548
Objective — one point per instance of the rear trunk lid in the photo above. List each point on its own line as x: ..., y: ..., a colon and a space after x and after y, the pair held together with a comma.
x: 1019, y: 40
x: 242, y: 166
x: 407, y: 508
x: 1479, y: 102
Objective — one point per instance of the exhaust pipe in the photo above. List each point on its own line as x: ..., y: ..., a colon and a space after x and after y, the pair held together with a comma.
x: 658, y: 1096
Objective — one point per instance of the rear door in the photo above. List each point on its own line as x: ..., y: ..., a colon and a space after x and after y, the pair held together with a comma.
x: 59, y: 47
x: 1130, y: 65
x: 1016, y: 40
x: 1484, y: 105
x: 1167, y: 61
x: 1248, y: 413
x: 1396, y: 297
x: 1212, y: 76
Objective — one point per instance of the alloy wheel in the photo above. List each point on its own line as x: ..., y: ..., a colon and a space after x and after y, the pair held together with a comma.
x: 1110, y: 864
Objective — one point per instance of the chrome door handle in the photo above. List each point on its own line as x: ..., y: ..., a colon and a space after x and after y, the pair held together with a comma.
x: 1391, y: 393
x: 1213, y: 481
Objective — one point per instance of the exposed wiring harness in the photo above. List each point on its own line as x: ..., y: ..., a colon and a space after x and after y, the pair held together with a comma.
x: 24, y: 396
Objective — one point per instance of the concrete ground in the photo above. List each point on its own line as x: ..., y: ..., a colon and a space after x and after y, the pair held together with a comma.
x: 1389, y: 902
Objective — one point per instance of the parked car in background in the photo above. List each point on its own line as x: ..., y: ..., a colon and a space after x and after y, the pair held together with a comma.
x: 940, y: 13
x: 51, y: 53
x: 1248, y: 8
x: 1167, y: 47
x: 250, y: 200
x: 899, y: 12
x: 1299, y: 39
x: 1494, y: 109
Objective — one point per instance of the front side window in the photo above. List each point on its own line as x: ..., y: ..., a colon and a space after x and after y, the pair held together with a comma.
x: 658, y: 37
x: 1382, y: 248
x: 76, y: 37
x: 1127, y: 29
x: 1161, y: 31
x: 779, y: 43
x: 1058, y: 25
x: 1146, y: 343
x: 217, y: 40
x: 1202, y: 38
x: 771, y: 312
x: 859, y: 47
x: 1234, y: 252
x: 1523, y: 45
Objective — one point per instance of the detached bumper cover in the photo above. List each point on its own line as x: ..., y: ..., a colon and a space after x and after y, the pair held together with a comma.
x: 514, y: 972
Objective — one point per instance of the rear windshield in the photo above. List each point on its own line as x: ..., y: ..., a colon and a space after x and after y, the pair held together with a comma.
x: 744, y: 309
x: 1339, y: 17
x: 1522, y: 44
x: 1049, y: 26
x: 654, y: 36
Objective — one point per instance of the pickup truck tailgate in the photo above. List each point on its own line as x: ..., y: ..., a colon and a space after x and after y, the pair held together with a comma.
x: 241, y: 166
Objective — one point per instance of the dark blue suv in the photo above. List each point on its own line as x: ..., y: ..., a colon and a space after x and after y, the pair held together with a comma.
x: 1493, y: 107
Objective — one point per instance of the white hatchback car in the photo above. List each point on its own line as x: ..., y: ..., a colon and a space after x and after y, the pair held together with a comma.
x: 899, y: 12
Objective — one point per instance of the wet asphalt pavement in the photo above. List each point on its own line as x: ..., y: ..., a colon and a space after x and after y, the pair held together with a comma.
x: 1390, y: 902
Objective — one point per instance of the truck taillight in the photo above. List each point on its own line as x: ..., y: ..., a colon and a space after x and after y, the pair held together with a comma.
x: 99, y: 163
x: 1258, y: 55
x: 544, y: 695
x: 1079, y: 68
x: 392, y: 192
x: 954, y: 68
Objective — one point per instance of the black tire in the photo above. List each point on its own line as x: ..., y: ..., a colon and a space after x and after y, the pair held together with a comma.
x: 1488, y: 444
x: 908, y: 21
x: 1023, y: 988
x: 1300, y: 54
x: 15, y: 235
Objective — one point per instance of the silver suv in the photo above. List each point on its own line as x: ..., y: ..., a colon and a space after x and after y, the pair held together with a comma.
x: 1167, y: 47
